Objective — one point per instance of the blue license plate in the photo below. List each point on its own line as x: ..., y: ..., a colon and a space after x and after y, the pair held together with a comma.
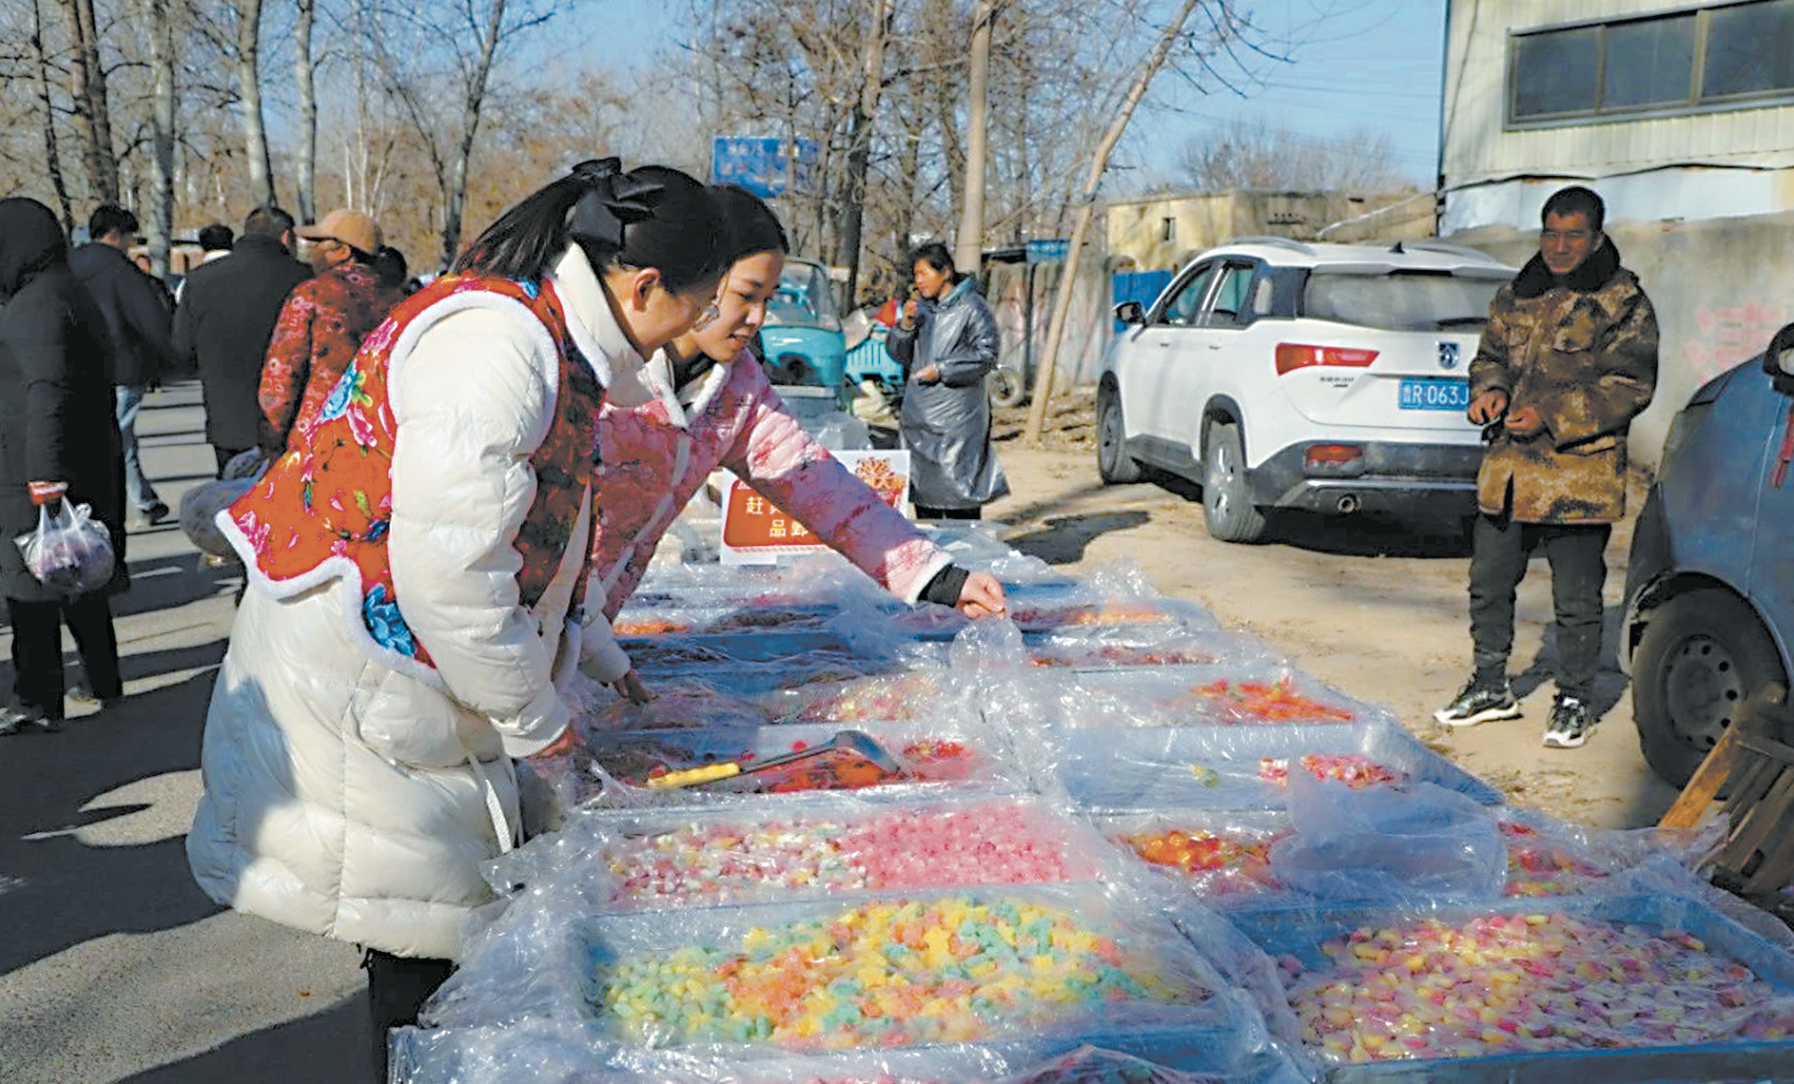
x: 1435, y: 395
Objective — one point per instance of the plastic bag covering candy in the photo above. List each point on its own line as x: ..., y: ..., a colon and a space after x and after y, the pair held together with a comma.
x: 1216, y: 853
x: 1508, y: 982
x: 835, y: 845
x: 70, y: 551
x: 1424, y: 842
x: 906, y: 972
x: 1089, y: 1065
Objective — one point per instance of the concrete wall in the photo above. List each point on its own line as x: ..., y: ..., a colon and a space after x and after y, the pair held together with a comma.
x: 1136, y: 228
x: 1721, y: 288
x: 1087, y: 329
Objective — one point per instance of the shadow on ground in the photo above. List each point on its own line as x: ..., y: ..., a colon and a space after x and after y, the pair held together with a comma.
x: 297, y: 1052
x: 1063, y: 539
x: 64, y: 891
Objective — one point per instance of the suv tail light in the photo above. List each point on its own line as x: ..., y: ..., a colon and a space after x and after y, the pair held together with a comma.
x: 1293, y: 356
x: 1331, y: 456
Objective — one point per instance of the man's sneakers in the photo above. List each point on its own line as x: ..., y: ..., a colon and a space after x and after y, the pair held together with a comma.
x: 154, y: 514
x: 1570, y: 724
x: 1479, y: 702
x: 18, y: 720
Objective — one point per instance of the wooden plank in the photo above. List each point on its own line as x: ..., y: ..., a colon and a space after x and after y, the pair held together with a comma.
x: 1754, y: 718
x: 1753, y: 830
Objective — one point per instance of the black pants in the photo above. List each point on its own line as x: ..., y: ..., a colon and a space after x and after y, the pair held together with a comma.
x: 37, y: 651
x: 1577, y: 554
x: 398, y: 986
x: 925, y: 512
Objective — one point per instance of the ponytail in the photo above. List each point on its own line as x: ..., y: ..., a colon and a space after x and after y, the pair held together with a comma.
x: 651, y: 216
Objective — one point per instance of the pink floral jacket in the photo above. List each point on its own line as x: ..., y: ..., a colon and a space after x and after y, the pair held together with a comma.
x: 655, y: 453
x: 320, y: 329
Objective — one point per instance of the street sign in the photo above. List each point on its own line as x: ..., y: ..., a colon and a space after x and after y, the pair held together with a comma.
x: 766, y: 166
x: 757, y: 531
x: 1049, y: 250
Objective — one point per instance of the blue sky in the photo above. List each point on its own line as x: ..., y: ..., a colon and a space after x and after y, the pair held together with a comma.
x: 1373, y: 64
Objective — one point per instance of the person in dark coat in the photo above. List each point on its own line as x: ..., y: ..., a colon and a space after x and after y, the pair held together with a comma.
x: 136, y: 312
x: 224, y: 323
x: 58, y: 441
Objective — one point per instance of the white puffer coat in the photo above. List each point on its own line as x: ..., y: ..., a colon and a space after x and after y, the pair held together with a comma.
x: 342, y: 796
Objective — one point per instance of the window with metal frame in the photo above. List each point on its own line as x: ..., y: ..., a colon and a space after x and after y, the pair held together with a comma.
x: 1706, y: 59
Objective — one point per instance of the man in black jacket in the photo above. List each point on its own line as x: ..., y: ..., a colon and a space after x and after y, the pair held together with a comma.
x: 137, y: 327
x: 224, y: 321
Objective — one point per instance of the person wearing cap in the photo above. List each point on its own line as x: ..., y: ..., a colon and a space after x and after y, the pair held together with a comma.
x: 225, y: 320
x: 322, y: 324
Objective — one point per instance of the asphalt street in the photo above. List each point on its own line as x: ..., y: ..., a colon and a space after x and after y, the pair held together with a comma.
x: 113, y: 965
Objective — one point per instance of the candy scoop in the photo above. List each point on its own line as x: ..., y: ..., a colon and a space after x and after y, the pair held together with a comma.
x: 846, y: 741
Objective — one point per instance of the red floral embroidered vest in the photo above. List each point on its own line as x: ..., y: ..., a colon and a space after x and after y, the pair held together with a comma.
x: 324, y: 508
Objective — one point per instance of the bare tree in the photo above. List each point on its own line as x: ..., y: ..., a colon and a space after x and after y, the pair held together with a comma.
x: 304, y: 75
x: 159, y: 23
x: 52, y: 152
x: 1254, y: 153
x: 249, y: 90
x: 87, y: 86
x: 859, y: 147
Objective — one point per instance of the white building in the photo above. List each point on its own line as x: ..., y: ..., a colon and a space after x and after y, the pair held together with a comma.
x: 1678, y: 110
x: 1680, y: 113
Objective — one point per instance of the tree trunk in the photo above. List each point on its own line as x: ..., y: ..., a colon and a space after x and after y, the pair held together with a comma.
x: 859, y: 151
x: 52, y: 153
x: 93, y: 114
x: 304, y: 72
x: 968, y: 246
x: 1099, y: 164
x: 159, y: 22
x: 249, y: 88
x: 455, y: 192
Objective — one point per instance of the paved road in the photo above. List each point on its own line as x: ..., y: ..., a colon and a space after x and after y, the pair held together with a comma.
x: 113, y: 965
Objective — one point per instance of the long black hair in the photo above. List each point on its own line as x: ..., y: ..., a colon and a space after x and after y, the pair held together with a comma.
x: 651, y: 216
x: 935, y: 255
x: 752, y: 225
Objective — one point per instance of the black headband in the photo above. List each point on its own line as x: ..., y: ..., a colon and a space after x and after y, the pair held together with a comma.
x: 612, y: 200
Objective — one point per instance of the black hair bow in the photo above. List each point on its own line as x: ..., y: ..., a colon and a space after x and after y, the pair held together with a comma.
x: 611, y: 201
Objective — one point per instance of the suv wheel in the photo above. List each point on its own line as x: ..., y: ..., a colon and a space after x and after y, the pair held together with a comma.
x: 1226, y: 500
x: 1112, y: 461
x: 1701, y: 655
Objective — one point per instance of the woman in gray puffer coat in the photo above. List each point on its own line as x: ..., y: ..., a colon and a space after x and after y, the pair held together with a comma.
x: 947, y: 347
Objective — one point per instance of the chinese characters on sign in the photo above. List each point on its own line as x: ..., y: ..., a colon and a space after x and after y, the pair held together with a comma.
x: 755, y: 530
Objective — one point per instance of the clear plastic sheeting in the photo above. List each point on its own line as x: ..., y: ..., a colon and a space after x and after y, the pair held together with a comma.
x: 834, y: 844
x: 1235, y: 767
x: 1220, y: 855
x: 985, y: 965
x: 1656, y: 988
x: 1388, y: 846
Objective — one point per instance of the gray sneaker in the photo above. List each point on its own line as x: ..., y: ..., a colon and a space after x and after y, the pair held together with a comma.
x: 1570, y: 724
x: 17, y: 720
x: 1479, y: 702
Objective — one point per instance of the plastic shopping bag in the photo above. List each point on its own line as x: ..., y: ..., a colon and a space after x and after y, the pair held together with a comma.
x: 70, y: 551
x: 199, y: 513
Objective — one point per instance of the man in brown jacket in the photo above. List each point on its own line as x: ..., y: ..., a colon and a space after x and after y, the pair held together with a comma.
x: 1568, y: 360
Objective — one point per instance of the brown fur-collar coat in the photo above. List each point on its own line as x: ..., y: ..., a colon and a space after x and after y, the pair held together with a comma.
x: 1582, y: 351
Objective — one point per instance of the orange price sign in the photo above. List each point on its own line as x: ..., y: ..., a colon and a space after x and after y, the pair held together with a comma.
x: 757, y: 531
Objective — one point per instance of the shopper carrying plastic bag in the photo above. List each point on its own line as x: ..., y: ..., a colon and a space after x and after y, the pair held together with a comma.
x: 59, y: 449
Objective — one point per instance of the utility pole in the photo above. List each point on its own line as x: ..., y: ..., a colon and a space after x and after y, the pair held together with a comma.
x: 969, y: 246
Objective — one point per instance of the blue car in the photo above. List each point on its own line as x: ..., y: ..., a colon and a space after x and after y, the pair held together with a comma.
x: 1710, y: 589
x: 802, y: 341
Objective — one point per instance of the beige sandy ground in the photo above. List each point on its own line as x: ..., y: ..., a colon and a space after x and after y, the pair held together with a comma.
x: 1372, y: 608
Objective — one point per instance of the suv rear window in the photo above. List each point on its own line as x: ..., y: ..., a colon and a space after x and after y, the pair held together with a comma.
x: 1400, y: 300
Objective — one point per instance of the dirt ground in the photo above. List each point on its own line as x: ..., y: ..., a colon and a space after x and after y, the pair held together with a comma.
x: 1370, y: 607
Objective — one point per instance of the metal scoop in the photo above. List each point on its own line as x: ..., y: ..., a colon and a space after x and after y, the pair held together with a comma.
x: 847, y: 741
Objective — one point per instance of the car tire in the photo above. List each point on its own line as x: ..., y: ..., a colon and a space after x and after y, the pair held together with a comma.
x: 1113, y: 464
x: 1005, y: 387
x: 1702, y: 654
x: 1226, y: 497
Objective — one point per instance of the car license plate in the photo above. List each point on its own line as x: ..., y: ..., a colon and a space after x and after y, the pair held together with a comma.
x: 1435, y: 395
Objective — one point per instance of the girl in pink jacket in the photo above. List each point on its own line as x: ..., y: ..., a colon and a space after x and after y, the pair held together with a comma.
x: 704, y: 402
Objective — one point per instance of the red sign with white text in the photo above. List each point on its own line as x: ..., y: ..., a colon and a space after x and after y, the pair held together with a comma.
x: 757, y: 530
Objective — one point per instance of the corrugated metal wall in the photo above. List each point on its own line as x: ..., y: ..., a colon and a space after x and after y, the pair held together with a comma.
x: 1478, y: 148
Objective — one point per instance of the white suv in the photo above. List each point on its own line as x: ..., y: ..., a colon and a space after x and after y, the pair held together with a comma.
x: 1327, y: 377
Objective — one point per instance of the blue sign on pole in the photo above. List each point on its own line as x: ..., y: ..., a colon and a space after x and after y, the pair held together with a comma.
x: 1048, y: 250
x: 766, y: 166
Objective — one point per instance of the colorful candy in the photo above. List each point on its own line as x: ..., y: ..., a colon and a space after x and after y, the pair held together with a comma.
x: 1353, y: 769
x: 1040, y: 618
x: 890, y: 974
x: 1538, y: 867
x: 1261, y: 702
x: 890, y: 696
x: 649, y: 626
x: 1118, y: 655
x: 1503, y: 984
x: 1217, y: 863
x: 989, y: 843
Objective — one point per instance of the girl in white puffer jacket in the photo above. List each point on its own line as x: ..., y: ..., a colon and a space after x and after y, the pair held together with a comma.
x: 415, y: 562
